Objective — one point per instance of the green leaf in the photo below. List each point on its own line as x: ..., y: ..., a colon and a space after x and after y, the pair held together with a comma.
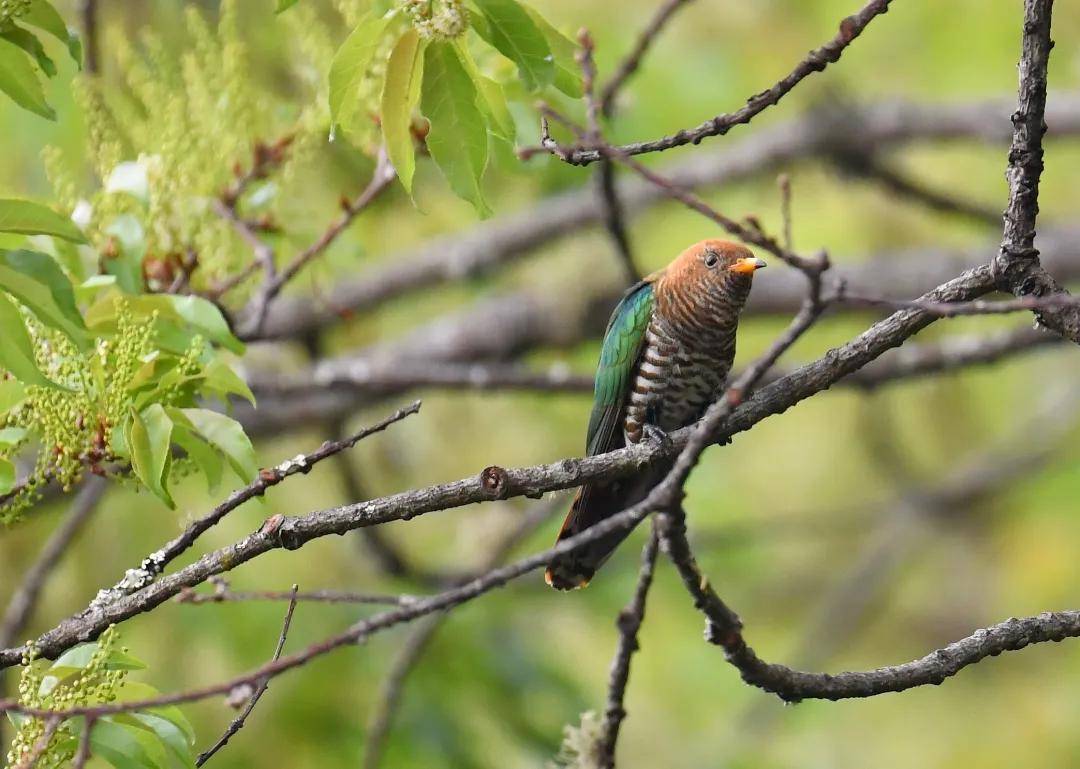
x: 19, y: 81
x: 400, y: 96
x: 37, y: 281
x: 12, y: 393
x: 44, y: 16
x: 28, y: 218
x: 227, y: 435
x: 563, y: 52
x: 501, y: 122
x: 221, y: 379
x: 149, y: 441
x: 350, y: 67
x: 284, y: 5
x: 209, y: 462
x: 7, y: 476
x: 169, y: 734
x: 41, y: 14
x: 16, y: 348
x: 12, y: 436
x: 125, y: 746
x: 512, y: 32
x: 207, y: 318
x: 78, y: 657
x: 457, y: 140
x: 26, y: 40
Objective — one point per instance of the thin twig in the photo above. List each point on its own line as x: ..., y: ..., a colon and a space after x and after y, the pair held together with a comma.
x: 501, y: 483
x: 223, y: 594
x: 815, y: 61
x: 155, y: 563
x: 255, y: 314
x: 725, y: 630
x: 83, y: 753
x: 238, y: 722
x: 629, y: 623
x: 27, y: 761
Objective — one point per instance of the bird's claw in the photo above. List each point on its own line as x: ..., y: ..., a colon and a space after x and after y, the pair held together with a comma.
x: 657, y: 437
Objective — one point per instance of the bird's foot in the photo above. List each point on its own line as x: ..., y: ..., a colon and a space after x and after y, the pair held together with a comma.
x: 657, y: 437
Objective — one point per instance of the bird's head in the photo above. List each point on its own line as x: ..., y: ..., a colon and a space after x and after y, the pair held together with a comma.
x: 714, y: 268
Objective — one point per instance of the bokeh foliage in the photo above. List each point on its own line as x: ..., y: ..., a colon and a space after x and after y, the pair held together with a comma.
x: 779, y: 515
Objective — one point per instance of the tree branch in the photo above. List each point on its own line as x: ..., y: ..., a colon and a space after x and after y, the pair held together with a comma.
x: 815, y: 61
x: 629, y: 623
x: 238, y: 722
x: 1016, y: 267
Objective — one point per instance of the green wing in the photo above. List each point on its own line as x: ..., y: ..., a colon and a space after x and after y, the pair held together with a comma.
x: 623, y: 341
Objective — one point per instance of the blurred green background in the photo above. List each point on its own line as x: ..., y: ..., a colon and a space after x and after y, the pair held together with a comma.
x: 780, y: 517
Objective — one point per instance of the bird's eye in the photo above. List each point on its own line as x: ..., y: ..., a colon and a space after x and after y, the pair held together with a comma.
x: 711, y: 259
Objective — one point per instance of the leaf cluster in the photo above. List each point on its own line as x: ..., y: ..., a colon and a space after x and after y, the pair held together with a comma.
x: 411, y: 71
x: 97, y: 674
x: 23, y: 56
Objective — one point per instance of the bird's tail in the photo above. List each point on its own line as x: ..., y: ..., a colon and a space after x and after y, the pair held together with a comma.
x: 594, y: 503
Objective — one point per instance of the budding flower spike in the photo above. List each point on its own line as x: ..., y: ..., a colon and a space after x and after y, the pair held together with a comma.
x: 666, y: 355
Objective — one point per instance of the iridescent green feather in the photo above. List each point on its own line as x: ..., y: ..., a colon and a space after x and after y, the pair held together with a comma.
x: 623, y: 341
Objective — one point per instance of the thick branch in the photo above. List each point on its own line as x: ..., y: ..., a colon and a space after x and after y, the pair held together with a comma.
x: 1016, y: 267
x: 498, y: 483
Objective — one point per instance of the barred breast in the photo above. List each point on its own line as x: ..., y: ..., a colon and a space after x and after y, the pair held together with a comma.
x: 676, y: 380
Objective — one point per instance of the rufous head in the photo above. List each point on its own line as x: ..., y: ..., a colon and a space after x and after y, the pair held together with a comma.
x: 714, y: 261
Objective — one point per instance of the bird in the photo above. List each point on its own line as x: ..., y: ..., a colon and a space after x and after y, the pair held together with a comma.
x: 666, y: 355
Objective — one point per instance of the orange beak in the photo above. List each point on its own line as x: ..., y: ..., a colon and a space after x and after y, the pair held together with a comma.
x: 747, y: 265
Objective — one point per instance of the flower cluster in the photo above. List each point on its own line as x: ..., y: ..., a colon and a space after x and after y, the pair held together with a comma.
x: 13, y: 9
x: 96, y: 683
x: 437, y: 19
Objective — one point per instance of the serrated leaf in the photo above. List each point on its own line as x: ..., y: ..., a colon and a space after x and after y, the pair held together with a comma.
x: 226, y: 435
x: 7, y: 476
x: 149, y: 447
x: 29, y: 218
x: 19, y: 81
x: 563, y: 52
x: 512, y: 32
x: 457, y: 139
x: 210, y: 462
x: 37, y: 281
x: 26, y: 40
x: 349, y: 68
x: 17, y: 349
x: 400, y: 96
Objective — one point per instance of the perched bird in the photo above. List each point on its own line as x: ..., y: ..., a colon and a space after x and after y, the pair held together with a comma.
x: 667, y: 352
